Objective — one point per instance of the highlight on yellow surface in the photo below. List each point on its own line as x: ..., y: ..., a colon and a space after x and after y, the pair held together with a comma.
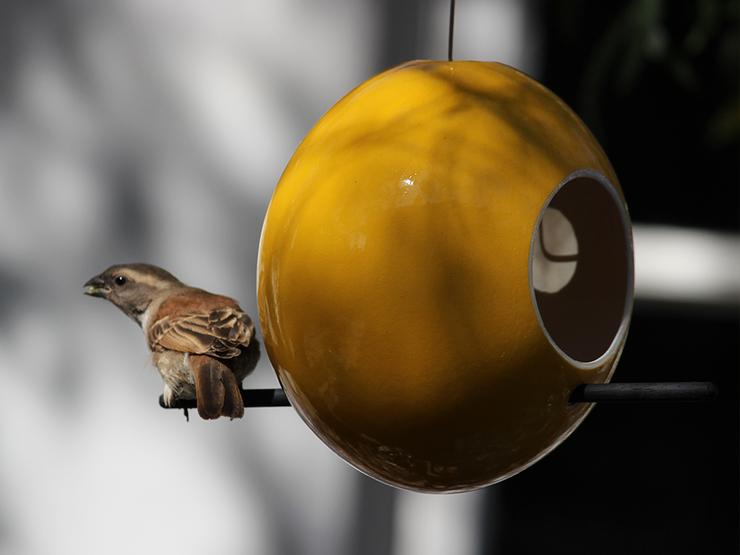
x: 446, y: 256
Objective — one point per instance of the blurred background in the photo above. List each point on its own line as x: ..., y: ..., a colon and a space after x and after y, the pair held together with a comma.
x: 156, y: 130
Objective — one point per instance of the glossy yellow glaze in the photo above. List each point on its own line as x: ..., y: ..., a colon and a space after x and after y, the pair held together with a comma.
x: 393, y: 275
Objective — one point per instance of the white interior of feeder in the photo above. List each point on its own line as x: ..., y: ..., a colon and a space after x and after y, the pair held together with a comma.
x: 581, y: 270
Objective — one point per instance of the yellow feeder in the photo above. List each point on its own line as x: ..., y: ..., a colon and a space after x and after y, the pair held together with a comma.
x: 447, y: 255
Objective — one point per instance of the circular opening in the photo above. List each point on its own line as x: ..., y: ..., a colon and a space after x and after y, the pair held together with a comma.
x: 580, y: 268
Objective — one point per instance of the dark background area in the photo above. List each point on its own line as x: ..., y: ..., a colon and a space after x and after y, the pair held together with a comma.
x: 640, y: 479
x: 657, y: 82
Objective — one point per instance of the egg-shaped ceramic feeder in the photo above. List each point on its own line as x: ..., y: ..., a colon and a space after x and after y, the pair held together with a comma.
x: 447, y: 256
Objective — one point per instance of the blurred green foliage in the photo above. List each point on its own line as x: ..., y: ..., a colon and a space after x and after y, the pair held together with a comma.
x: 695, y: 44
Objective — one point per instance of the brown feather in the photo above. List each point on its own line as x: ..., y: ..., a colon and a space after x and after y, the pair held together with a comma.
x: 217, y: 392
x: 198, y: 322
x: 233, y: 406
x: 209, y: 387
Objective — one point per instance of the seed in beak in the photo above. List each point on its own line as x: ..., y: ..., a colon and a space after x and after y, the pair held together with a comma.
x: 95, y: 287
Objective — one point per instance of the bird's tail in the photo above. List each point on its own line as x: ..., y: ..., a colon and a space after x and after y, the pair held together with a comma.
x: 216, y: 389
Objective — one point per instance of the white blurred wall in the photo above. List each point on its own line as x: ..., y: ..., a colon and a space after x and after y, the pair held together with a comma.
x: 155, y: 130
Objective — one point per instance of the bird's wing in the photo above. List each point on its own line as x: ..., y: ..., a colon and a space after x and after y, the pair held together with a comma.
x: 202, y: 324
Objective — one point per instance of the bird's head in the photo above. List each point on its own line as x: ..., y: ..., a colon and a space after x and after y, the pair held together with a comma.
x: 132, y: 287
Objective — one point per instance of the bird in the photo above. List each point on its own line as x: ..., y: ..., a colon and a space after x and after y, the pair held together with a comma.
x: 203, y: 344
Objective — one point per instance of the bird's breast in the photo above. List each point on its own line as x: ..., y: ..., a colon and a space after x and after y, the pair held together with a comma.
x: 174, y: 367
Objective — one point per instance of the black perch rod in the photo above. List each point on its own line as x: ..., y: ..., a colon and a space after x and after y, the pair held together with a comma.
x: 648, y: 393
x: 252, y: 398
x: 614, y: 393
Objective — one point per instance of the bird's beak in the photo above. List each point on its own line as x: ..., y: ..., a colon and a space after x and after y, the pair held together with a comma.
x: 95, y: 287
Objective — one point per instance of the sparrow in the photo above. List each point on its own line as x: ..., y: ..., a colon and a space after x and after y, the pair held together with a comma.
x: 202, y: 344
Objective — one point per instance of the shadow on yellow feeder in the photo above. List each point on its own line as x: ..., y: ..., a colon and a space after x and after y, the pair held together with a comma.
x: 446, y: 256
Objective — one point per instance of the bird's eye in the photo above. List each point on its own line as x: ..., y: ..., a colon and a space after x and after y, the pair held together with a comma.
x: 120, y: 280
